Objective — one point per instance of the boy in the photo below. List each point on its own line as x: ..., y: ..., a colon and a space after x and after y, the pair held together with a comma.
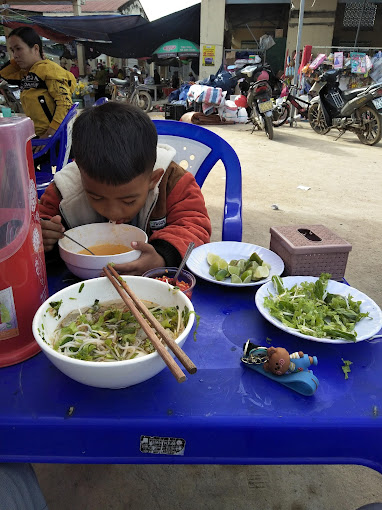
x: 121, y: 174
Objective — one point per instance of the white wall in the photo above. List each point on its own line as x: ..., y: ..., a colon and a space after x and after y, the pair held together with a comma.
x: 212, y: 18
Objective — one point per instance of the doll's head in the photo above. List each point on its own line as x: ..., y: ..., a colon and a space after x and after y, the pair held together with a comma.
x: 278, y: 360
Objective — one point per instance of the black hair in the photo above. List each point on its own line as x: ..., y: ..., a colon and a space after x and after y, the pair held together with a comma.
x: 29, y: 36
x: 114, y: 143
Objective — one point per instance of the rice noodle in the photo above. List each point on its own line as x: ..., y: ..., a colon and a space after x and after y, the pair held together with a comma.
x: 110, y: 333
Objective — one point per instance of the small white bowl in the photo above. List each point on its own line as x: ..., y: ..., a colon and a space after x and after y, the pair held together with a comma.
x: 118, y: 374
x: 90, y: 266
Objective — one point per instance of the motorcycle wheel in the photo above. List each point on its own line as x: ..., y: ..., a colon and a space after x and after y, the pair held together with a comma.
x: 317, y: 120
x: 268, y: 127
x: 284, y: 109
x: 143, y: 101
x: 371, y: 133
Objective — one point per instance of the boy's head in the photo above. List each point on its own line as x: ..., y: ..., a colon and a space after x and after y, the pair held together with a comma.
x: 114, y: 143
x: 114, y: 146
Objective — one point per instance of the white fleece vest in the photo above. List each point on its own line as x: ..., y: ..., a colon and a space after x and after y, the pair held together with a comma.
x: 75, y: 207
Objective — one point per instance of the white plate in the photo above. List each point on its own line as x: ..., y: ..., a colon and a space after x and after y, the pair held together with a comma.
x: 365, y: 328
x: 228, y: 250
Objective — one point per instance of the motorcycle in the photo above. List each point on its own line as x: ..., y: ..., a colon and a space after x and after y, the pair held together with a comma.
x: 358, y: 110
x: 133, y: 93
x: 10, y: 96
x: 259, y: 95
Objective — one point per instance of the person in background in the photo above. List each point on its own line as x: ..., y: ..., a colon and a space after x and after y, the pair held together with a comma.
x: 175, y: 80
x: 156, y: 77
x: 101, y: 80
x: 46, y: 88
x: 75, y: 70
x: 63, y: 63
x: 142, y: 186
x: 121, y: 74
x: 88, y: 69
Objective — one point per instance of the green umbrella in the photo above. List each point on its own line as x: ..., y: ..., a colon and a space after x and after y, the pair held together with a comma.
x: 177, y: 48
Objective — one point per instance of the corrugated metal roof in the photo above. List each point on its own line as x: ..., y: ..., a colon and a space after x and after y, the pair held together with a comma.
x: 93, y: 6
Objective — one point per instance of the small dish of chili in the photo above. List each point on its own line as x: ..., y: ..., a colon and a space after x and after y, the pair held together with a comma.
x: 185, y: 283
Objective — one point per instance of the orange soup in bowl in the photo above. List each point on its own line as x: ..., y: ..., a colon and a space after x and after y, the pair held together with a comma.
x: 106, y: 249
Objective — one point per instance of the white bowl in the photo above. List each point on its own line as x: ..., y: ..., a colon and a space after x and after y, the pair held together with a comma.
x: 90, y: 266
x: 118, y: 374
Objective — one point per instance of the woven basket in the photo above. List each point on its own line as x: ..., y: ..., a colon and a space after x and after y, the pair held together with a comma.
x: 309, y: 250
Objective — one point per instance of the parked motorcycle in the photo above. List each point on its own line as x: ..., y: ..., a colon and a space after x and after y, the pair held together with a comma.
x: 10, y: 96
x: 259, y: 99
x: 135, y: 93
x: 358, y: 110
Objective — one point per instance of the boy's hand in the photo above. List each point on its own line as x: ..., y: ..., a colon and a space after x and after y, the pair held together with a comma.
x: 149, y: 259
x: 51, y: 232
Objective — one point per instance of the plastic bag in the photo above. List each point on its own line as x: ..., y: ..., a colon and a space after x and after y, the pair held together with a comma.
x: 266, y: 41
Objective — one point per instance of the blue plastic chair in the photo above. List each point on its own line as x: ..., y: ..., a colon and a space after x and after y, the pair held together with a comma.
x: 101, y: 100
x: 63, y: 136
x: 201, y: 149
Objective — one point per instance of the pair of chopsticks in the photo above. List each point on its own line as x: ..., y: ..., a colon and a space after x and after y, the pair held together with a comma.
x: 137, y: 307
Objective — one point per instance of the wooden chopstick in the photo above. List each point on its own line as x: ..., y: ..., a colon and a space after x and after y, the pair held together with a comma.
x: 162, y: 351
x: 179, y: 353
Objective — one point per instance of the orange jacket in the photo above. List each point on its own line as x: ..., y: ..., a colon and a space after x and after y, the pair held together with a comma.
x: 178, y: 217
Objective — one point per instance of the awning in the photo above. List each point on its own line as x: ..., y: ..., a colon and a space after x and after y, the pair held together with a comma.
x: 80, y: 28
x: 121, y: 36
x: 141, y: 41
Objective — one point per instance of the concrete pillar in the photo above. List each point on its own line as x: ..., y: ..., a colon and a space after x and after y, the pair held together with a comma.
x: 80, y: 48
x: 212, y: 18
x: 319, y: 18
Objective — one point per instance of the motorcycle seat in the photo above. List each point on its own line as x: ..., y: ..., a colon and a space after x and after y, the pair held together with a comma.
x: 117, y: 81
x: 350, y: 94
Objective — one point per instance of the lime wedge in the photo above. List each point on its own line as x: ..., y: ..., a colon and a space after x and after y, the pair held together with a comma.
x: 234, y: 270
x: 244, y: 276
x: 256, y: 258
x: 221, y: 275
x: 222, y: 264
x: 266, y: 265
x: 213, y: 269
x: 235, y: 279
x: 241, y: 265
x: 212, y: 258
x: 260, y: 272
x: 233, y: 262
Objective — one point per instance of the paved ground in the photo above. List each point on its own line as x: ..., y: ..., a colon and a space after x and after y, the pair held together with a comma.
x: 345, y: 181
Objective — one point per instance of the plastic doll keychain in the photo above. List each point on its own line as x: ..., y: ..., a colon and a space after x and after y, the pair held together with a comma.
x: 291, y: 370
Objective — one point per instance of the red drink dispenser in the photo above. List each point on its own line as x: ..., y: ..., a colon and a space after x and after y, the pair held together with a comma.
x: 23, y: 282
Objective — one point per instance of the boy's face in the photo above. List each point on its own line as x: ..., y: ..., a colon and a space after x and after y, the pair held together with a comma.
x: 123, y: 202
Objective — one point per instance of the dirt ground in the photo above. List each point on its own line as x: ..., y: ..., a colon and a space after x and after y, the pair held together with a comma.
x: 345, y: 181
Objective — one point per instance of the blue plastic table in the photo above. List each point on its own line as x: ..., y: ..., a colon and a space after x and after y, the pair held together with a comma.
x: 224, y: 414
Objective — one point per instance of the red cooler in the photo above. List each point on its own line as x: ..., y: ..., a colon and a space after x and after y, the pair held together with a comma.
x: 23, y: 282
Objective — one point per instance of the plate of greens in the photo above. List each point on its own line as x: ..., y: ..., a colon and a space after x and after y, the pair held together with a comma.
x: 319, y: 309
x: 233, y: 263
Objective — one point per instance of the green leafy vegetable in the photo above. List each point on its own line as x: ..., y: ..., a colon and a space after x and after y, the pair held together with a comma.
x: 346, y: 367
x: 54, y: 308
x: 310, y: 309
x: 111, y: 333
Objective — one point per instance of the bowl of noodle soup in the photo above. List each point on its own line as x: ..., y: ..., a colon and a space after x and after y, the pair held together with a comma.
x: 87, y: 332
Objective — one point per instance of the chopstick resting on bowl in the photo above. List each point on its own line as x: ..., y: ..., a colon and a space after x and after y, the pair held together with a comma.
x: 137, y: 307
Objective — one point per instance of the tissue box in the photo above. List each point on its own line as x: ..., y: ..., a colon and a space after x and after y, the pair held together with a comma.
x: 309, y: 250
